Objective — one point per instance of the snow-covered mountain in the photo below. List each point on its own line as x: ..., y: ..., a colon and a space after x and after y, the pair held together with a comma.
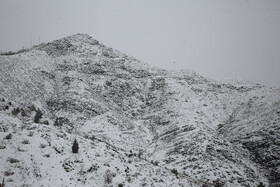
x: 135, y: 125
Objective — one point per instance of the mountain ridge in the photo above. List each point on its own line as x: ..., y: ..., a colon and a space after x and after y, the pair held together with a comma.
x: 179, y: 121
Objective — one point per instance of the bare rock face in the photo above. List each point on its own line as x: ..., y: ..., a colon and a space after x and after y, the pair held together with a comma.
x: 136, y: 125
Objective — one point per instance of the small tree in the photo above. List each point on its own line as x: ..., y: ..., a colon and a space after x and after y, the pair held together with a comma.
x: 261, y: 185
x: 3, y: 183
x: 38, y: 116
x: 75, y: 146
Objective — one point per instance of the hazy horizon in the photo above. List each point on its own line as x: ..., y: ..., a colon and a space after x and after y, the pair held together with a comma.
x: 217, y: 39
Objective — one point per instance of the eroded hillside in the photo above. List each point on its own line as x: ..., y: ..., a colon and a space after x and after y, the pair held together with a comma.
x: 136, y: 125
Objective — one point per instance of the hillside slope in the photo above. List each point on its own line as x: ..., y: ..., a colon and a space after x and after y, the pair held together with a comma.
x: 136, y: 125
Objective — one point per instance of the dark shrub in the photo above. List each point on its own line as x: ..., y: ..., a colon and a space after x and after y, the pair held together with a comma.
x: 25, y: 142
x: 8, y: 137
x: 32, y: 107
x: 15, y: 111
x: 8, y: 173
x: 75, y: 146
x: 3, y: 183
x: 13, y: 160
x: 261, y: 185
x: 23, y: 113
x: 38, y: 116
x: 218, y: 183
x: 42, y: 146
x: 60, y: 121
x: 108, y: 177
x: 175, y: 172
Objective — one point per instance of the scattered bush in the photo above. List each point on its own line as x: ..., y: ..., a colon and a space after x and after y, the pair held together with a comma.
x: 10, y: 103
x: 175, y: 172
x: 31, y: 133
x: 20, y: 149
x: 60, y: 121
x: 42, y: 146
x: 130, y: 154
x: 58, y: 149
x: 75, y: 146
x: 8, y: 137
x: 10, y: 180
x: 217, y: 183
x: 8, y: 173
x: 15, y: 111
x: 46, y: 122
x: 220, y: 126
x: 155, y: 162
x: 23, y: 113
x: 129, y: 179
x: 38, y: 116
x: 25, y: 142
x: 7, y: 107
x: 47, y: 155
x: 92, y: 168
x: 68, y: 165
x: 13, y: 160
x: 108, y: 177
x: 32, y: 108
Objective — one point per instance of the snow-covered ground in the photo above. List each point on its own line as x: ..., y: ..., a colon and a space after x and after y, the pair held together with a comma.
x: 135, y: 125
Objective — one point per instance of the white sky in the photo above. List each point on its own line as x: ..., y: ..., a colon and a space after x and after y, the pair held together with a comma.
x: 216, y: 38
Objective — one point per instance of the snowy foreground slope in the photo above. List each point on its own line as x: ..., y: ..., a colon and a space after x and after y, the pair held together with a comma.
x: 135, y: 125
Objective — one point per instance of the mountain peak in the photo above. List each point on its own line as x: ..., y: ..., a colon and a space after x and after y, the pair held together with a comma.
x: 82, y: 38
x: 76, y: 43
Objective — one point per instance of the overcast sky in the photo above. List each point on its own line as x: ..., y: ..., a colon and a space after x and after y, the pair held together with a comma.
x: 216, y: 38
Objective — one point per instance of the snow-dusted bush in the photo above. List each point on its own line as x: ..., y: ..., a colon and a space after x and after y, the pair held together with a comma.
x: 108, y: 177
x: 60, y: 121
x: 68, y: 165
x: 8, y: 173
x: 31, y: 133
x: 25, y: 142
x: 32, y: 108
x: 46, y: 122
